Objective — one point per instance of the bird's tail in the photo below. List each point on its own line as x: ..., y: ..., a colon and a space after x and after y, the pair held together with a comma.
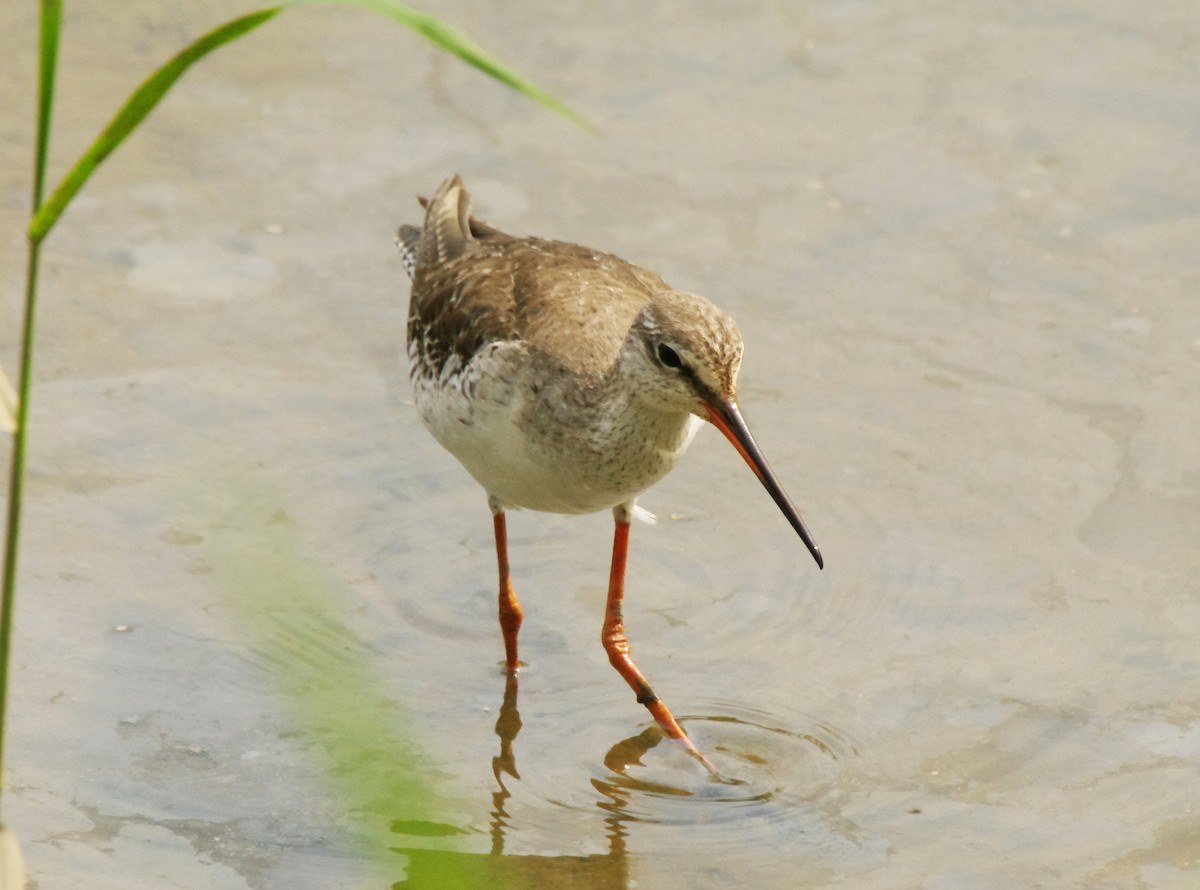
x: 408, y: 239
x: 447, y: 229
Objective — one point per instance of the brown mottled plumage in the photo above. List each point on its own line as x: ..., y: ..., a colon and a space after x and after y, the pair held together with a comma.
x: 565, y: 379
x: 468, y: 291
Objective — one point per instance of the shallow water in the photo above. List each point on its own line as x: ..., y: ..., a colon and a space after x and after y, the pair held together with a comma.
x: 961, y: 246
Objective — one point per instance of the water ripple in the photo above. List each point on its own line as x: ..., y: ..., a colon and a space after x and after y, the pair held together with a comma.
x: 778, y: 777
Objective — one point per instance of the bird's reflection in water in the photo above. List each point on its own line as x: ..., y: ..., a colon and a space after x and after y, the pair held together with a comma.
x: 603, y: 871
x: 645, y: 785
x: 635, y: 787
x: 508, y: 724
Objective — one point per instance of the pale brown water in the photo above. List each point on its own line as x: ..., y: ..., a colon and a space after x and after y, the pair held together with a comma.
x: 962, y: 247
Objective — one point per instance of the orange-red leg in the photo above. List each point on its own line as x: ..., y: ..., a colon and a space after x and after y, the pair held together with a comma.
x: 616, y: 644
x: 511, y: 613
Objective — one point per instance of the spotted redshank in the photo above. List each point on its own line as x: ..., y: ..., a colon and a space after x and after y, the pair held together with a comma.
x: 566, y: 380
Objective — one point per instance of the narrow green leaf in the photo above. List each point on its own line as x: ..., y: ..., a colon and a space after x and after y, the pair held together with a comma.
x: 16, y: 408
x: 152, y: 90
x: 446, y: 38
x: 136, y: 107
x: 50, y: 26
x: 293, y: 624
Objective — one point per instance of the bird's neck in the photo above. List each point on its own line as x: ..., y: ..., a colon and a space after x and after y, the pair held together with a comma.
x: 629, y: 415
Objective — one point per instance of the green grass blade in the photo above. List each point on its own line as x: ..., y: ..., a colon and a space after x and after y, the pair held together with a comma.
x: 152, y: 90
x: 446, y: 38
x: 16, y: 484
x: 51, y: 22
x: 292, y: 621
x: 51, y: 26
x: 135, y: 109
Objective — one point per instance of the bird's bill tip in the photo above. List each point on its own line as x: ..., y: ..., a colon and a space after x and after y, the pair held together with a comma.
x: 725, y: 416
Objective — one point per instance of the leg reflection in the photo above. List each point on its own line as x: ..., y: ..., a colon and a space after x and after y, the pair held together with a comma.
x: 508, y: 724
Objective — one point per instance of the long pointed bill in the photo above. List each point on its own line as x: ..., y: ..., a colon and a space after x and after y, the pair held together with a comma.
x: 726, y: 417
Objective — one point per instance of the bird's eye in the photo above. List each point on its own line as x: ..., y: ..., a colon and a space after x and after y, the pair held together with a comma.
x: 668, y: 356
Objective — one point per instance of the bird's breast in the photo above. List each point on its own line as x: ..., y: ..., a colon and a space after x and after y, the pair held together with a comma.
x: 557, y: 446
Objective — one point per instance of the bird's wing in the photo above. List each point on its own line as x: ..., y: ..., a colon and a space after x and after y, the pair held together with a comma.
x: 474, y: 285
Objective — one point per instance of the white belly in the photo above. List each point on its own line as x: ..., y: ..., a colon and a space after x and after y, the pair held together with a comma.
x: 567, y: 465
